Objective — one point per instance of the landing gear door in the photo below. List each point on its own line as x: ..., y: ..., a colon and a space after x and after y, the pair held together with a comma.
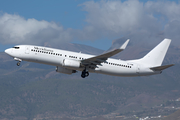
x: 27, y: 49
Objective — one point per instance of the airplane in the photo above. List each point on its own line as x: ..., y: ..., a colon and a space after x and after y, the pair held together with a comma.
x: 69, y: 62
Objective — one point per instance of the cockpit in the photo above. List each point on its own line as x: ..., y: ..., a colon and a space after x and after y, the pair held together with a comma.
x: 16, y: 47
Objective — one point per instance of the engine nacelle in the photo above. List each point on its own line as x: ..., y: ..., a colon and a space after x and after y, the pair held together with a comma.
x: 64, y: 70
x: 71, y: 63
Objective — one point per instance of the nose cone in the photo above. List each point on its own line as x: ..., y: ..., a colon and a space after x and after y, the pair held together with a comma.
x: 8, y: 51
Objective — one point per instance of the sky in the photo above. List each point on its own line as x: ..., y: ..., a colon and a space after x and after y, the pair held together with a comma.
x: 91, y: 22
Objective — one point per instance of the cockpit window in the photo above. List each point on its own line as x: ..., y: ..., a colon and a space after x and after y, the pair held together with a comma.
x: 16, y: 47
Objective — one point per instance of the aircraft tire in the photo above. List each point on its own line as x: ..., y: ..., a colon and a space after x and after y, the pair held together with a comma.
x: 83, y: 75
x: 18, y: 64
x: 87, y: 74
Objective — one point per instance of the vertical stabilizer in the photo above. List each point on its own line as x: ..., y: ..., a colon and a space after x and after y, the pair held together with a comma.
x: 156, y: 56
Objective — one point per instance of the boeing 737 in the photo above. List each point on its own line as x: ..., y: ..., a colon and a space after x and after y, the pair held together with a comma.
x: 70, y: 62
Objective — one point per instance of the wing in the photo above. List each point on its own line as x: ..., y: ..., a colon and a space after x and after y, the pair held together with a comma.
x: 97, y: 60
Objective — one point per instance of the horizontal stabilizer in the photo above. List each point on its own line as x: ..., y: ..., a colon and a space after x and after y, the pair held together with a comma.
x: 159, y: 68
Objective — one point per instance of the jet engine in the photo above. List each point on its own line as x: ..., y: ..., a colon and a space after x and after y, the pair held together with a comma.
x: 65, y: 70
x: 71, y: 63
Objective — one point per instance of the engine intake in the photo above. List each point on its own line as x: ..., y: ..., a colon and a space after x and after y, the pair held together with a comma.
x: 71, y: 63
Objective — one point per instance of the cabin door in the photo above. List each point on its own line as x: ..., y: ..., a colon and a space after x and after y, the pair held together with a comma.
x: 27, y: 49
x: 138, y: 69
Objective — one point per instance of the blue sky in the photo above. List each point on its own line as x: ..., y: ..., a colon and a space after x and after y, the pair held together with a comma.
x: 66, y: 13
x: 76, y: 17
x: 59, y: 11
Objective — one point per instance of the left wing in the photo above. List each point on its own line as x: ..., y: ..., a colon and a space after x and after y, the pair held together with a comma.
x: 97, y: 60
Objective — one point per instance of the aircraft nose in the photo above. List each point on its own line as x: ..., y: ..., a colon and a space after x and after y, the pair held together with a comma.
x: 8, y: 51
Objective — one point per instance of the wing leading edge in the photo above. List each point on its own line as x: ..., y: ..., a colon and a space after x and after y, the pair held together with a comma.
x: 97, y: 60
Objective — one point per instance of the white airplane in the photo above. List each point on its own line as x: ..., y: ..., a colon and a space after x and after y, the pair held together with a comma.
x: 70, y: 62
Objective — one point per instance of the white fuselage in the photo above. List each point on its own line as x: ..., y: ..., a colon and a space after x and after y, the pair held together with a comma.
x: 56, y: 57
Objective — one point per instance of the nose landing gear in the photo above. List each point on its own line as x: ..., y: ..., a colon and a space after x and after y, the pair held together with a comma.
x: 18, y: 63
x: 85, y: 73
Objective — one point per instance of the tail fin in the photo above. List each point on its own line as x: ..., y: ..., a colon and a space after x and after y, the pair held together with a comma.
x: 156, y: 56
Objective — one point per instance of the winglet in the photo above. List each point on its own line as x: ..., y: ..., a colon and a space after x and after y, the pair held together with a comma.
x: 124, y: 45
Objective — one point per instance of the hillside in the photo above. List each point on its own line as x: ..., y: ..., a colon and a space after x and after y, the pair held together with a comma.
x: 37, y: 91
x: 174, y: 116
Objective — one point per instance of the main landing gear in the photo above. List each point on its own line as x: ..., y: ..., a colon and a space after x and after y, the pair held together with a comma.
x: 85, y: 73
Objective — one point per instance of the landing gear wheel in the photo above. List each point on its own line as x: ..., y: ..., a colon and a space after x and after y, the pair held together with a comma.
x: 18, y: 63
x: 87, y: 74
x: 84, y: 74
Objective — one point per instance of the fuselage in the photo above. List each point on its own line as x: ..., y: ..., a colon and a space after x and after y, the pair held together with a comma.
x: 57, y: 57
